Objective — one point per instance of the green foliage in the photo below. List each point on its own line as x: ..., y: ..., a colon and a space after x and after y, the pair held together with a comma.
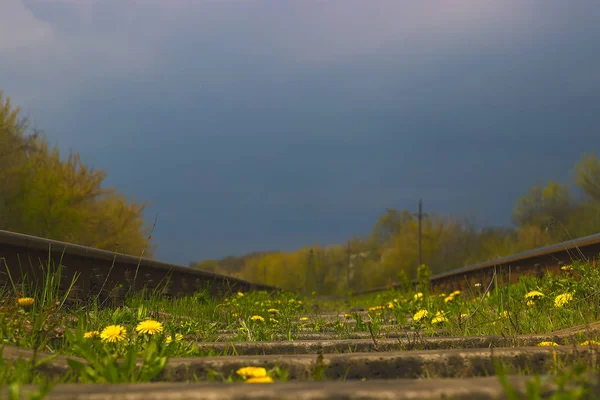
x: 543, y: 205
x: 588, y: 176
x: 319, y: 369
x: 405, y: 284
x: 138, y: 356
x: 424, y: 278
x: 107, y: 363
x: 21, y: 372
x: 44, y: 194
x: 390, y: 224
x: 546, y: 214
x: 571, y: 383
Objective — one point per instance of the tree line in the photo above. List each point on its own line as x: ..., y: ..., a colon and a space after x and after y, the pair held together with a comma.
x: 46, y: 195
x: 548, y: 213
x: 57, y: 197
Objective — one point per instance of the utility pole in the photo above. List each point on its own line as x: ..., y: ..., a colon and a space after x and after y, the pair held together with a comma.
x: 420, y: 216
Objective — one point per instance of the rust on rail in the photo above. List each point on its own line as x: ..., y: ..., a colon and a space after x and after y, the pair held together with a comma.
x: 510, y: 268
x: 106, y: 273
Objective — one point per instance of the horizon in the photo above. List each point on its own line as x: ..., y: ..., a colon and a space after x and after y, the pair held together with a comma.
x: 254, y: 125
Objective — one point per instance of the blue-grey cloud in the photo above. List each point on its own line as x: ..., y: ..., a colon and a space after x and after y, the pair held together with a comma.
x: 269, y: 124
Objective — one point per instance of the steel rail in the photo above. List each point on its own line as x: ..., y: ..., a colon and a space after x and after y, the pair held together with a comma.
x: 536, y: 261
x: 105, y: 273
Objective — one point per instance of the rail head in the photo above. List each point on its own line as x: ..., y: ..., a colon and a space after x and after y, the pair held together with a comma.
x: 567, y: 246
x: 42, y: 244
x: 574, y: 244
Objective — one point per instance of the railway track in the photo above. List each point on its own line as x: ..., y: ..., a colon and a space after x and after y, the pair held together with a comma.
x: 374, y: 356
x: 395, y: 361
x: 106, y: 274
x: 111, y: 275
x: 509, y: 269
x: 385, y: 367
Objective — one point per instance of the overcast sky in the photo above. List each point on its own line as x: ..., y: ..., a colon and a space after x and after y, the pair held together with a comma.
x: 258, y: 125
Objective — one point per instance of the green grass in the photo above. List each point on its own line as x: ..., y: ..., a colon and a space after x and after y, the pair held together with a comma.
x: 502, y: 310
x: 54, y: 325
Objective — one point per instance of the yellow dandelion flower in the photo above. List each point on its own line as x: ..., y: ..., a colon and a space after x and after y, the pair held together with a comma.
x: 442, y: 295
x: 566, y: 268
x: 240, y: 294
x: 438, y: 319
x: 149, y: 326
x: 273, y: 311
x: 264, y: 379
x: 418, y: 296
x: 113, y: 333
x: 534, y: 294
x: 562, y: 299
x: 419, y: 315
x: 448, y: 299
x: 91, y: 334
x: 590, y: 343
x: 456, y: 293
x: 178, y: 338
x: 463, y: 316
x: 252, y: 372
x: 26, y: 302
x: 347, y: 316
x: 390, y: 305
x: 547, y: 344
x: 257, y: 318
x: 304, y: 319
x: 531, y: 303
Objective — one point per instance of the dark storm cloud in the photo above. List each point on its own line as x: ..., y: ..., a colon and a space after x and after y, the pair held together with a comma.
x: 267, y: 125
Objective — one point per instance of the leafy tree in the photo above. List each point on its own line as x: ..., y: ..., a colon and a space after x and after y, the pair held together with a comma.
x: 531, y: 237
x: 62, y: 199
x: 544, y: 215
x: 117, y: 224
x: 54, y: 194
x: 390, y: 224
x: 584, y: 221
x: 542, y: 206
x: 15, y: 145
x: 493, y: 242
x: 207, y: 265
x: 588, y: 176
